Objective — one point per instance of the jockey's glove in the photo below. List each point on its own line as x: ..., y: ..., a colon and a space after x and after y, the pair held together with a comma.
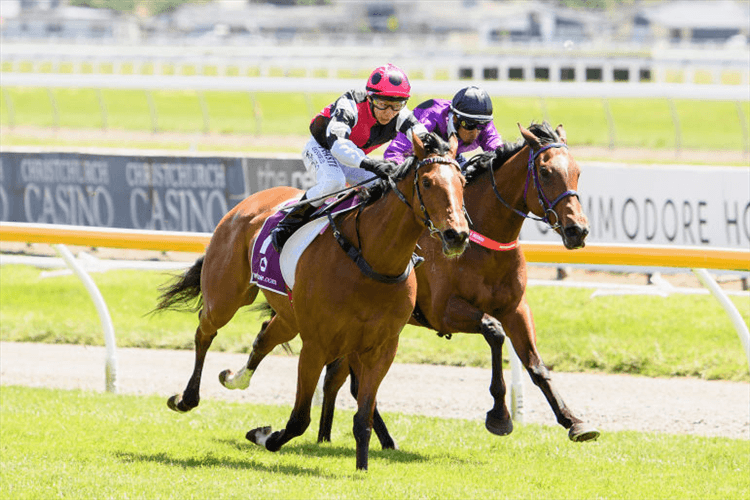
x: 381, y: 168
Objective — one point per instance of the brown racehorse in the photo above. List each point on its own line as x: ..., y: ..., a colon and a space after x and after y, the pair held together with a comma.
x: 486, y: 288
x: 338, y: 310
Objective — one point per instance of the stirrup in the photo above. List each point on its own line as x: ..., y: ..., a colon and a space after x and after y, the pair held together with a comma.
x: 279, y: 235
x: 416, y: 260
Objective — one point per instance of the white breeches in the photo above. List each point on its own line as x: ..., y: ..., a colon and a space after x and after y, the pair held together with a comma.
x: 330, y: 174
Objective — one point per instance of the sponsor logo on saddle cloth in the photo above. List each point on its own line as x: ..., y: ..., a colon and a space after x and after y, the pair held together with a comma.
x: 276, y: 273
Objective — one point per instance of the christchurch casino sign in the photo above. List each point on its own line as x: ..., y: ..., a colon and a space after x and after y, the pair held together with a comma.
x: 160, y: 193
x: 653, y: 204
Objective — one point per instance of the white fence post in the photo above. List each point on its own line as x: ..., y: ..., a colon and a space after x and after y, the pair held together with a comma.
x: 728, y: 306
x: 516, y: 385
x: 110, y: 366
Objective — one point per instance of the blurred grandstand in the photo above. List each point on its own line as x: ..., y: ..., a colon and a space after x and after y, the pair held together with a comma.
x: 539, y: 39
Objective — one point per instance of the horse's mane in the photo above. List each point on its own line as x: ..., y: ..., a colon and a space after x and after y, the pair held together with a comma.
x: 433, y: 143
x: 495, y: 159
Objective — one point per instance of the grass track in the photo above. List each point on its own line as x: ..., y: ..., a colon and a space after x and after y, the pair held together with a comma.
x: 73, y: 444
x: 637, y: 123
x: 680, y: 335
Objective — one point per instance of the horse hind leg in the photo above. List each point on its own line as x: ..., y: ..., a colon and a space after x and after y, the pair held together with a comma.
x: 335, y: 377
x: 498, y: 420
x: 190, y: 397
x: 273, y: 332
x: 378, y: 424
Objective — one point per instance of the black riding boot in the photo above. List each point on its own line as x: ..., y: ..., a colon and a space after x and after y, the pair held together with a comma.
x: 293, y: 220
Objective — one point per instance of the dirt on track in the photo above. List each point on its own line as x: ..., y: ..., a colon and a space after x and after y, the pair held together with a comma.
x: 610, y: 402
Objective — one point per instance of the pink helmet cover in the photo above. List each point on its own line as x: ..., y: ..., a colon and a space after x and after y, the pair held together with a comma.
x: 389, y: 81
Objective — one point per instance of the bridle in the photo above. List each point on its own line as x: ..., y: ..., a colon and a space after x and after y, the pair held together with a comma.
x: 427, y: 161
x: 547, y: 206
x: 355, y: 253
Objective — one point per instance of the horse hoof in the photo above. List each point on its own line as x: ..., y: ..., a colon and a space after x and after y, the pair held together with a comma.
x: 230, y: 380
x: 259, y: 436
x: 223, y: 376
x: 583, y: 432
x: 175, y: 402
x: 389, y: 445
x: 498, y: 426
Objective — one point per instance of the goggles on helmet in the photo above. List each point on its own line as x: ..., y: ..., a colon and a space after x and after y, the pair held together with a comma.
x: 471, y: 124
x: 383, y: 104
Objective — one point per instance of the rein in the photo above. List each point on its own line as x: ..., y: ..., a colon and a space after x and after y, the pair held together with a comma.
x: 549, y: 207
x: 355, y: 253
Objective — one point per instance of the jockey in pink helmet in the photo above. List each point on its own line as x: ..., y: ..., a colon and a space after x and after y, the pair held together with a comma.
x: 342, y: 135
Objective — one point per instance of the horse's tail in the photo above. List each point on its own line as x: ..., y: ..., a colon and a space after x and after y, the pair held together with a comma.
x: 183, y: 293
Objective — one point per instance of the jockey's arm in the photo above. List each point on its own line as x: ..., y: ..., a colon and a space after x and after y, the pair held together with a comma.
x: 490, y: 139
x: 343, y: 118
x: 401, y: 146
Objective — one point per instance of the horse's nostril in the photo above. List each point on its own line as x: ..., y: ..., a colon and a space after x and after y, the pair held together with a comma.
x: 574, y: 231
x: 451, y: 235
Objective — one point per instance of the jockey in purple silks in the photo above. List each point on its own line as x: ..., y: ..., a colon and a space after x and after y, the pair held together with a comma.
x: 342, y: 135
x: 469, y: 116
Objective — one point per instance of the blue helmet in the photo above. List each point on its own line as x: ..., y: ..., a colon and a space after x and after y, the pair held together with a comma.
x: 473, y: 103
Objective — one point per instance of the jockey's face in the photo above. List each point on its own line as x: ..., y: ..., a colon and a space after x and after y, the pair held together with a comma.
x: 385, y: 111
x: 466, y: 136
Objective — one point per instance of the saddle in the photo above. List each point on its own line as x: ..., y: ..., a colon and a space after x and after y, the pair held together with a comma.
x: 266, y: 266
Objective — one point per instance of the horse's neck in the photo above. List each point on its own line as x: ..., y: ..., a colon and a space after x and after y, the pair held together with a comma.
x: 489, y: 215
x: 389, y: 232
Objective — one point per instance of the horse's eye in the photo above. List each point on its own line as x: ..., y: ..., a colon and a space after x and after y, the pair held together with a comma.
x: 545, y: 173
x: 426, y: 183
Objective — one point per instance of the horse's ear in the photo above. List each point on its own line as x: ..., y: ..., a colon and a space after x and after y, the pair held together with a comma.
x: 561, y: 132
x: 418, y: 146
x: 453, y: 144
x: 530, y: 138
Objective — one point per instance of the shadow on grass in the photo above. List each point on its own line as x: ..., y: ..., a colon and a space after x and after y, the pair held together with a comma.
x: 305, y: 451
x: 327, y: 450
x: 223, y: 462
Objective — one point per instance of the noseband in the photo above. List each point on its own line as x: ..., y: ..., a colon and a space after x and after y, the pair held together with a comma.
x: 548, y: 206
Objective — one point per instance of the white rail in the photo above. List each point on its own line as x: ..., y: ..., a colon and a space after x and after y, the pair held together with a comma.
x: 432, y: 87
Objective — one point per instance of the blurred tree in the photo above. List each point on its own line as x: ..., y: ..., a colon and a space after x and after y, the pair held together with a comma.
x: 154, y: 7
x: 595, y: 4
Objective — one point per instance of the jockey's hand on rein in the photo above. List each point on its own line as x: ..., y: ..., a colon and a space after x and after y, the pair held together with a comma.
x: 381, y: 168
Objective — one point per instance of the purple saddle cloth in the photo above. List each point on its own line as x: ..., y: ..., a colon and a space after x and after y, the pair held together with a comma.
x: 264, y: 263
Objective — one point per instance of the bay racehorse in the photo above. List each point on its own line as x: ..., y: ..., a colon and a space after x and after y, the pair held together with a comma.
x: 484, y: 291
x: 345, y: 304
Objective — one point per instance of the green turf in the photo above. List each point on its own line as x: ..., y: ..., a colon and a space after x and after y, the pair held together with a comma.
x: 73, y: 444
x: 679, y: 335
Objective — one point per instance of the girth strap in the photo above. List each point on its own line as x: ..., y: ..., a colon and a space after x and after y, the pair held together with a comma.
x: 353, y: 253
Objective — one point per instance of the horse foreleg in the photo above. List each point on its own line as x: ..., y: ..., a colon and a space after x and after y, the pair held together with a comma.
x: 190, y: 397
x: 371, y: 368
x: 498, y: 419
x: 520, y: 328
x: 461, y: 316
x: 378, y: 425
x: 311, y: 362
